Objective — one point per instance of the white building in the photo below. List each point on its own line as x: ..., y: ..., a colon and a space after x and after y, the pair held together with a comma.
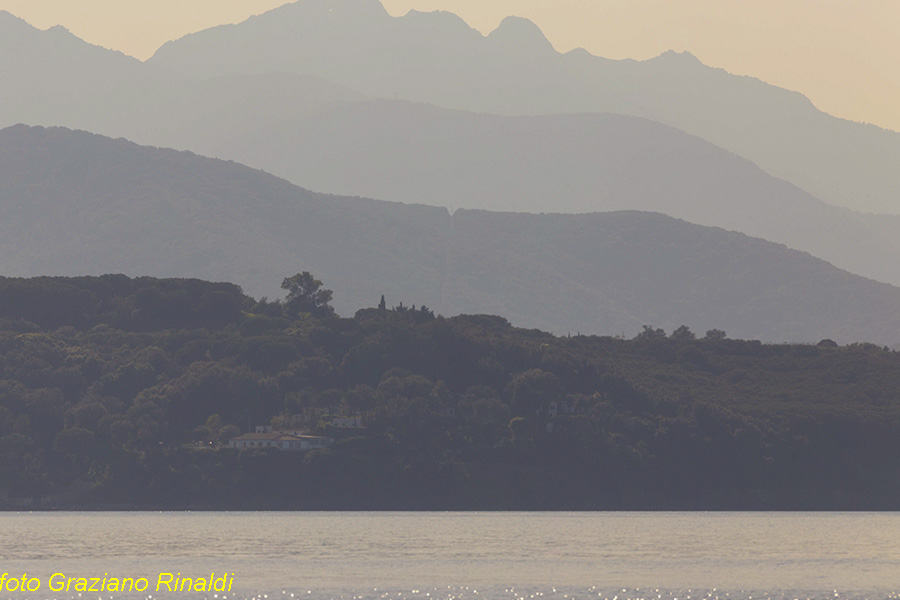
x: 281, y: 440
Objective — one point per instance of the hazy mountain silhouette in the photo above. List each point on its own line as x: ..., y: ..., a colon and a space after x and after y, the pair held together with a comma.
x: 328, y: 137
x: 77, y: 203
x: 561, y: 163
x: 53, y: 77
x: 437, y: 58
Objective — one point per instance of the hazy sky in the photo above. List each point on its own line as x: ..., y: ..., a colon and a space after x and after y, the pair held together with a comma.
x: 843, y: 54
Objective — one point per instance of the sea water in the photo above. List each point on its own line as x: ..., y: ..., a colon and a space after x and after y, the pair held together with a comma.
x: 452, y: 556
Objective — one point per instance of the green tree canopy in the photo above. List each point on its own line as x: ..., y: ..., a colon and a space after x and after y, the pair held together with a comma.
x: 306, y: 294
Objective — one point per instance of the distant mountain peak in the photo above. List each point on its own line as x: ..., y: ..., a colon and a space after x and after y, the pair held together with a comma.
x: 10, y: 21
x: 354, y: 8
x: 7, y: 19
x: 21, y: 36
x: 437, y: 16
x: 673, y: 57
x: 62, y: 31
x: 520, y: 33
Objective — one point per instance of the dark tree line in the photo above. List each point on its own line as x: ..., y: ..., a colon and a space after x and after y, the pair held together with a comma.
x: 118, y: 392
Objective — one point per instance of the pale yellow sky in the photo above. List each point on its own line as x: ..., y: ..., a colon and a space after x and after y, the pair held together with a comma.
x: 843, y: 54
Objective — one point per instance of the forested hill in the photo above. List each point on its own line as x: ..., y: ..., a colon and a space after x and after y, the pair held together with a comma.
x: 114, y: 394
x: 73, y: 203
x: 129, y: 304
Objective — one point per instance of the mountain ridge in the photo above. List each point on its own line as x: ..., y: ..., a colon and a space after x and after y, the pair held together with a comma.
x: 520, y: 33
x: 842, y: 162
x: 413, y: 152
x: 328, y: 137
x: 89, y: 205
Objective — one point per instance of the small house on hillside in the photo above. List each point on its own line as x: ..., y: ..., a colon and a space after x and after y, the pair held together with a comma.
x: 281, y: 440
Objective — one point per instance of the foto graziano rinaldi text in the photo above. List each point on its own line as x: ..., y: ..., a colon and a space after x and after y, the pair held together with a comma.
x: 163, y: 582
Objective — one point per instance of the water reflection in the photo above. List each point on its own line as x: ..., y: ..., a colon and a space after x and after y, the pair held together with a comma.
x: 475, y: 555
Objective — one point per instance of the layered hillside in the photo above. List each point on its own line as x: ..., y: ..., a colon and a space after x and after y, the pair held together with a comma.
x: 327, y: 137
x: 73, y: 203
x: 411, y: 152
x: 437, y: 58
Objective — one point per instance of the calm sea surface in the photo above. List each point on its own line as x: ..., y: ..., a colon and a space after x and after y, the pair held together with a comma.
x: 465, y: 556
